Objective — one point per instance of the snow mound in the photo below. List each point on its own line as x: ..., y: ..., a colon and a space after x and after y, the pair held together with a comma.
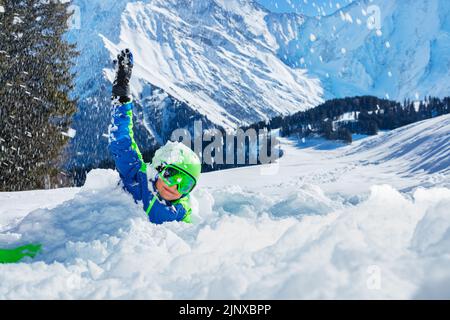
x: 245, y: 245
x: 432, y: 234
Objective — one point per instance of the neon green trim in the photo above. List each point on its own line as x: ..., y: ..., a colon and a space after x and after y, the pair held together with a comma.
x: 134, y: 145
x: 187, y: 217
x: 150, y: 206
x: 185, y: 203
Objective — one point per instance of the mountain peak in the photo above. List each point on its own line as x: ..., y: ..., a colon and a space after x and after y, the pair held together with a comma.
x: 225, y: 67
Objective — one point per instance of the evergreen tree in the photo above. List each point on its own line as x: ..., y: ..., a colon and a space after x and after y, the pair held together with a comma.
x: 370, y: 115
x: 372, y: 128
x: 35, y: 85
x: 345, y: 135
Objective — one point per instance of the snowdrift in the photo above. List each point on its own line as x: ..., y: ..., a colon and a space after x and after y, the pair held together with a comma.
x: 100, y: 245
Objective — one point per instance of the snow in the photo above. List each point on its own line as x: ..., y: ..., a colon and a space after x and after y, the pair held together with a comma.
x: 418, y: 148
x: 224, y: 68
x: 348, y: 116
x: 171, y: 152
x: 413, y: 40
x: 2, y: 9
x: 17, y: 20
x: 71, y: 133
x: 236, y: 63
x: 358, y: 222
x: 15, y: 205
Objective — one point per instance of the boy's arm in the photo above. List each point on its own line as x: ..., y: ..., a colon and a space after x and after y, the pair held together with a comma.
x: 123, y: 147
x: 126, y: 154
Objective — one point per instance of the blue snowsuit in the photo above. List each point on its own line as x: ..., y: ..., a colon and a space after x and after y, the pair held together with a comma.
x: 133, y: 170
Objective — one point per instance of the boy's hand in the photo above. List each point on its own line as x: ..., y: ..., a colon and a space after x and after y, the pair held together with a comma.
x: 124, y: 68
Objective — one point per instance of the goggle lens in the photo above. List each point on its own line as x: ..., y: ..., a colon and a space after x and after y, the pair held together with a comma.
x: 172, y: 176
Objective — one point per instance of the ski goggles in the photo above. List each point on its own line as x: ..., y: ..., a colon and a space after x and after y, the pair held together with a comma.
x: 172, y: 175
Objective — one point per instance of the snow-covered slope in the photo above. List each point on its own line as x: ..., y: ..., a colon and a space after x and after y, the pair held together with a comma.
x: 419, y: 147
x: 405, y: 54
x: 341, y: 226
x: 411, y: 156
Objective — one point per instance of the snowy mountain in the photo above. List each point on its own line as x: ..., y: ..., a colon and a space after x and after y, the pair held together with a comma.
x: 331, y: 221
x: 217, y: 59
x: 232, y: 62
x: 217, y: 56
x: 397, y: 49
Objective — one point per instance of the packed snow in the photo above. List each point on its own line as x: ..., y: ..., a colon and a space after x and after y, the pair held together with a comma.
x: 357, y: 222
x: 169, y: 153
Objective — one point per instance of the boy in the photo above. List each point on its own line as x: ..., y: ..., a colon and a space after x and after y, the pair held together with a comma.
x: 164, y: 186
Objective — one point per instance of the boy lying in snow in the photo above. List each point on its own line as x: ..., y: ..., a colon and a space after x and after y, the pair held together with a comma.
x: 164, y: 186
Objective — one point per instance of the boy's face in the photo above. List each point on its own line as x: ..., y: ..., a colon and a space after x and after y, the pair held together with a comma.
x: 168, y: 193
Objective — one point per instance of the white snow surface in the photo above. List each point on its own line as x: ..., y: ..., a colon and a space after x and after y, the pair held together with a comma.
x: 366, y: 221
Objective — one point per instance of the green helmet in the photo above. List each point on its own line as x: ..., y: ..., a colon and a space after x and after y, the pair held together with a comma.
x: 178, y: 155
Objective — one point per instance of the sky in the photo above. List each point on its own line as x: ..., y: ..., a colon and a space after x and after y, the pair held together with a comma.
x: 307, y: 7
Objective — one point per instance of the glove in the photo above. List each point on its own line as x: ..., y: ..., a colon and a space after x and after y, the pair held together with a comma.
x: 124, y: 68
